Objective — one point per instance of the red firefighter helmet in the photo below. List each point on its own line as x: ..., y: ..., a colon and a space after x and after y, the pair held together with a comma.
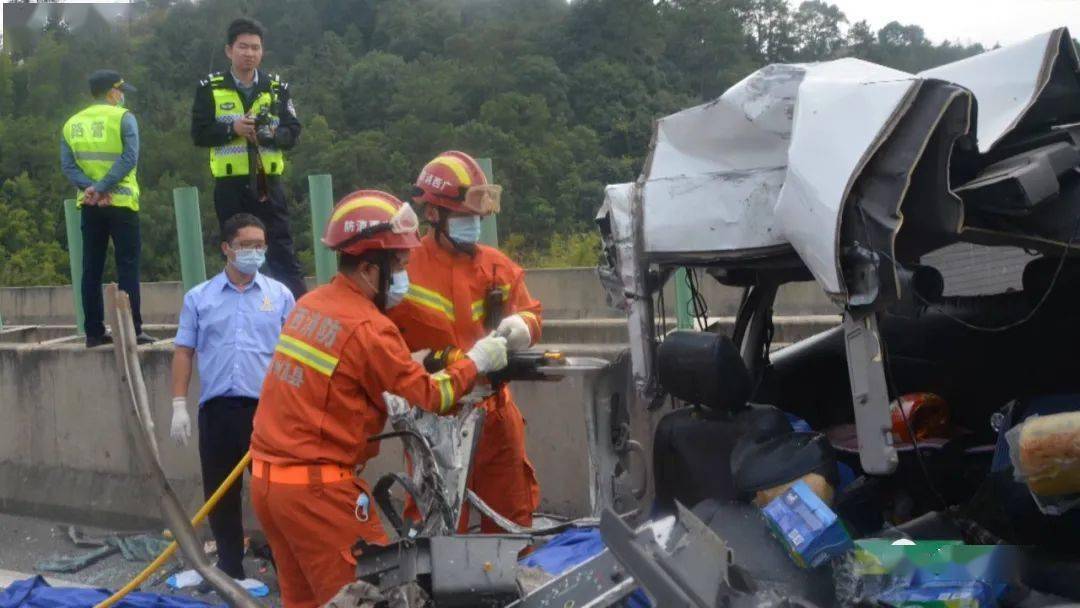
x: 455, y: 181
x: 369, y: 220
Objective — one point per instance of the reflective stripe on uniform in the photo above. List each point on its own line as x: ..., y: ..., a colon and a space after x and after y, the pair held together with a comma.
x: 430, y: 299
x: 96, y: 140
x: 107, y: 156
x: 478, y: 311
x: 230, y: 150
x: 446, y: 391
x: 232, y: 158
x: 320, y: 361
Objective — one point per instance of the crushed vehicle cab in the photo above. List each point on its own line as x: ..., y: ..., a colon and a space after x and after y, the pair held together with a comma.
x: 940, y: 213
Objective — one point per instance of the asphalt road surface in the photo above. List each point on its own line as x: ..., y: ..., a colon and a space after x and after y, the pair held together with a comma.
x: 25, y: 541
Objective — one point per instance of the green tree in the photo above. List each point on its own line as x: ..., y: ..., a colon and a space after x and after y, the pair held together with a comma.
x: 817, y: 27
x: 769, y: 29
x: 561, y: 95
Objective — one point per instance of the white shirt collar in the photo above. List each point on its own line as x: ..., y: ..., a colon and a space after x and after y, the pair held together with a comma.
x: 236, y: 79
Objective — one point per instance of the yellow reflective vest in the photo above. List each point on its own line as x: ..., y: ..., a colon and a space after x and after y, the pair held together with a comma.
x: 96, y: 142
x: 232, y: 158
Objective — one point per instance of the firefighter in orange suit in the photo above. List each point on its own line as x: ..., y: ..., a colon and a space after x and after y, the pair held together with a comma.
x: 460, y: 291
x: 338, y: 359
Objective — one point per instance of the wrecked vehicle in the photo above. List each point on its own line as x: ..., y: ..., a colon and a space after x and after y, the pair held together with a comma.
x: 940, y: 213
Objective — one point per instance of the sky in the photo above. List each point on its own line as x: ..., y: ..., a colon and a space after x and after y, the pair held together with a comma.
x: 967, y: 21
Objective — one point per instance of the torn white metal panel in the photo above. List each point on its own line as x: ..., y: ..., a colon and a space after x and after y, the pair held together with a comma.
x: 771, y: 164
x: 845, y: 109
x: 712, y: 211
x: 715, y: 170
x: 748, y: 127
x: 625, y: 282
x: 617, y: 203
x: 1006, y: 81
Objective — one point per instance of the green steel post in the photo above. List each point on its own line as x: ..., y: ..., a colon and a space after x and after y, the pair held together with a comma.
x: 321, y: 190
x: 73, y: 219
x: 682, y: 300
x: 489, y: 228
x: 189, y: 236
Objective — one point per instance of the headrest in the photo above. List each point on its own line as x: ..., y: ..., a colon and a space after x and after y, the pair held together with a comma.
x: 705, y: 369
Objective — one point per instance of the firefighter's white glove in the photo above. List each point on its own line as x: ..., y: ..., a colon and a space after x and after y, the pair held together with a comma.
x: 516, y: 332
x: 395, y: 405
x: 489, y: 354
x: 181, y: 422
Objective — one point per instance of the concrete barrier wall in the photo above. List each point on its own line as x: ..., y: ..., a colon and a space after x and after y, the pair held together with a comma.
x: 567, y: 293
x: 66, y: 451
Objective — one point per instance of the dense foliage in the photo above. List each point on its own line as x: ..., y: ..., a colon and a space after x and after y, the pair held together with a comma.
x: 561, y: 96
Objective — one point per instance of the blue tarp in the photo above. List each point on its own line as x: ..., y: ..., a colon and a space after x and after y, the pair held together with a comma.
x: 36, y: 593
x: 570, y: 549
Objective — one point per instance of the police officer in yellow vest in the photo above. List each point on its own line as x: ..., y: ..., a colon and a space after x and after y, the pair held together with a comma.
x: 246, y: 117
x: 98, y: 154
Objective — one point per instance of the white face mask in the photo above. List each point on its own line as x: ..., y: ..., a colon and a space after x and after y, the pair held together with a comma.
x: 395, y: 292
x: 399, y: 286
x: 248, y: 261
x: 464, y: 229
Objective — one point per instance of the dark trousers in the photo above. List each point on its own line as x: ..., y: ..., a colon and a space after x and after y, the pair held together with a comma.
x: 234, y: 195
x: 99, y: 224
x: 224, y: 436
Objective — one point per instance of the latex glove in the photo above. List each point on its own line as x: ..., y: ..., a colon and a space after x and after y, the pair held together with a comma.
x: 181, y: 422
x: 516, y: 332
x: 394, y: 404
x: 489, y: 354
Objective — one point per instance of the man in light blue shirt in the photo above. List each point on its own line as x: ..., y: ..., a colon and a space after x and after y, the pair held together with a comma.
x: 230, y: 324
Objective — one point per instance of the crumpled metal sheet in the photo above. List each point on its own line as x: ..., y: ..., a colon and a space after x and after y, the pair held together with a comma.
x: 1006, y: 81
x: 618, y: 269
x: 716, y: 170
x: 622, y: 273
x: 846, y: 109
x: 771, y: 164
x: 359, y: 594
x: 443, y: 468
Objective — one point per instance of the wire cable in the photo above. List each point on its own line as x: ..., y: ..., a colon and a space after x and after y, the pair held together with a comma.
x: 982, y: 328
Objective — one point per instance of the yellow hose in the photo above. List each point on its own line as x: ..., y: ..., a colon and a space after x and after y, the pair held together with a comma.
x: 211, y: 502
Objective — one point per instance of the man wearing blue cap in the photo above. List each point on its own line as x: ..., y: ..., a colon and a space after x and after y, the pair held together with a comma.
x: 98, y: 154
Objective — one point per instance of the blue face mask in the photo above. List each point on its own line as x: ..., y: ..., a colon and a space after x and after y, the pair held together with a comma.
x: 399, y: 286
x: 464, y: 229
x: 248, y: 261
